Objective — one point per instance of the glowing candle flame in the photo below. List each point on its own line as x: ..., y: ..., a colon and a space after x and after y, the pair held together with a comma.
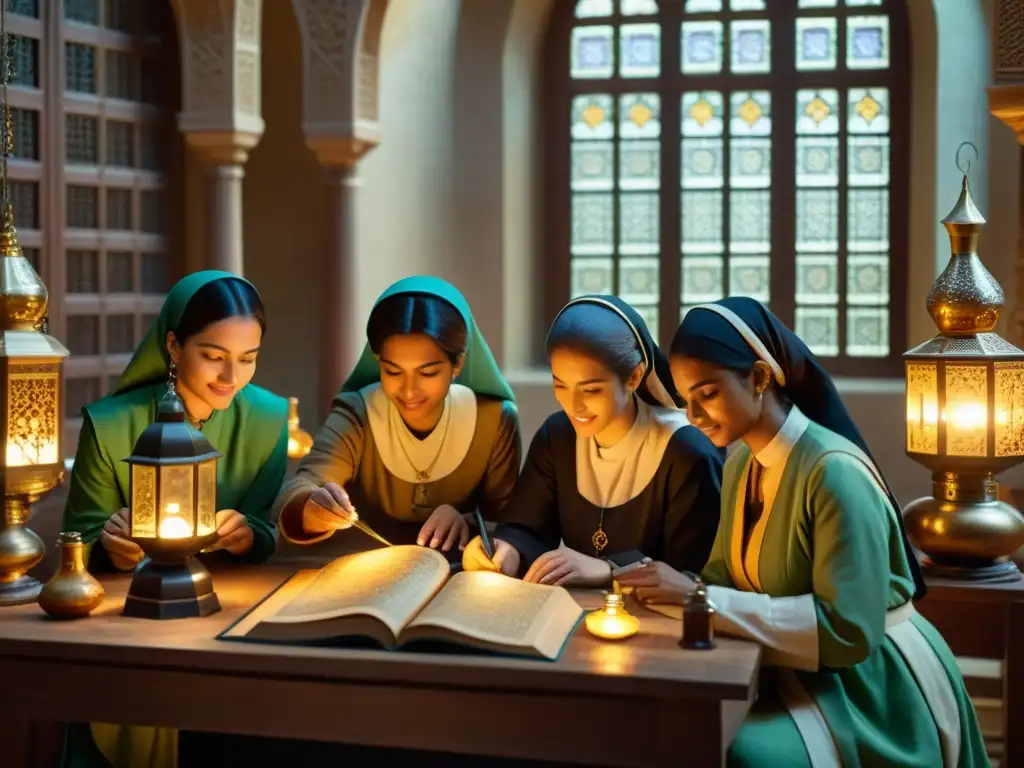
x: 172, y: 526
x: 612, y: 621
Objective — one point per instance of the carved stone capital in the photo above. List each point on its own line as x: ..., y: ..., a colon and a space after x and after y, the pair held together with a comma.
x: 222, y: 147
x: 1007, y: 103
x: 339, y: 151
x: 341, y: 66
x: 220, y: 65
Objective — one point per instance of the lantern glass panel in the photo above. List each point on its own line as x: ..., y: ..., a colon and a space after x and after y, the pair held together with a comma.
x: 207, y: 512
x: 1009, y: 409
x: 143, y: 510
x: 966, y: 411
x: 922, y: 408
x: 33, y: 414
x: 176, y: 513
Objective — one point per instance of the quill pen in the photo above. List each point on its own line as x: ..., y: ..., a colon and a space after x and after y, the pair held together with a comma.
x: 357, y: 523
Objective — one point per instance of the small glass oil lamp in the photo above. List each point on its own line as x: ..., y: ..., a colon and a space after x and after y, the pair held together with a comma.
x: 698, y: 619
x: 173, y: 516
x: 612, y: 621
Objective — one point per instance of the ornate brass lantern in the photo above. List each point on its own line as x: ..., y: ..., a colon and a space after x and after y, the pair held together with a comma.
x: 31, y: 362
x: 173, y: 516
x: 965, y: 417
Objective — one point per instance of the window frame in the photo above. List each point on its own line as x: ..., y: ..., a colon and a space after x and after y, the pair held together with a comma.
x: 782, y: 81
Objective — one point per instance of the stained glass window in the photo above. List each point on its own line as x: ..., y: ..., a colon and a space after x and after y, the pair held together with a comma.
x: 736, y: 147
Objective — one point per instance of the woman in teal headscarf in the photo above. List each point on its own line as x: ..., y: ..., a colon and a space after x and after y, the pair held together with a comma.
x: 204, y: 342
x: 424, y: 431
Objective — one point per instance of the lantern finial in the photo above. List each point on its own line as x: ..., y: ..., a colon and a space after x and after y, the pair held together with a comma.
x: 170, y: 408
x: 965, y: 299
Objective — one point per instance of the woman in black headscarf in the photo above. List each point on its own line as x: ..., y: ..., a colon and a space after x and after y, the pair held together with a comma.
x: 617, y: 470
x: 811, y: 561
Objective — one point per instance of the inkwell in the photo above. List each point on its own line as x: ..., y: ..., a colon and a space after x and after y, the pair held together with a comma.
x: 698, y: 619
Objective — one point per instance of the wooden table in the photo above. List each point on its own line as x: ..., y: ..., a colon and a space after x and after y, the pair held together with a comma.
x: 986, y: 621
x: 686, y: 705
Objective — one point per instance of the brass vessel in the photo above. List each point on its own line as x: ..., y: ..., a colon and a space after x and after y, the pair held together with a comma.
x: 73, y: 592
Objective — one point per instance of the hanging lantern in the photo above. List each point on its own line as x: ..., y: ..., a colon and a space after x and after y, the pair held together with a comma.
x: 173, y: 516
x: 965, y: 417
x: 31, y: 367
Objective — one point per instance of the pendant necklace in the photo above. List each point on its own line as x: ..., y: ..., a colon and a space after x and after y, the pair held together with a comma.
x: 419, y: 498
x: 600, y: 538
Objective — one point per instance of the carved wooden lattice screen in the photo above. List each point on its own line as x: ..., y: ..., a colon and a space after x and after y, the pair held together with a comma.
x: 90, y: 96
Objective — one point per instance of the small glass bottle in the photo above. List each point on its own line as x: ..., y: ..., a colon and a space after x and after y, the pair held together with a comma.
x: 698, y: 620
x: 73, y: 592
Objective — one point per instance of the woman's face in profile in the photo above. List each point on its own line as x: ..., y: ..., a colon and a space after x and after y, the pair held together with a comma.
x: 720, y: 402
x: 218, y: 361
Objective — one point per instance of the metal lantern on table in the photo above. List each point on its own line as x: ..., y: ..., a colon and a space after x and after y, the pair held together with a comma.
x: 173, y: 516
x: 965, y: 417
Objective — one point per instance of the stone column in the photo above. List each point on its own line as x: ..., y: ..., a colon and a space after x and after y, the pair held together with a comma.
x: 339, y: 352
x: 340, y: 45
x: 220, y: 118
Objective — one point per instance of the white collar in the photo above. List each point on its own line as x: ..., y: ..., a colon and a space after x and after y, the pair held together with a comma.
x: 778, y: 450
x: 620, y: 473
x: 398, y: 448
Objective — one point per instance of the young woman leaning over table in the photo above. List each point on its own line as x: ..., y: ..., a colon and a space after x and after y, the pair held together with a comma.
x: 811, y: 561
x: 617, y: 469
x: 204, y: 342
x: 424, y: 431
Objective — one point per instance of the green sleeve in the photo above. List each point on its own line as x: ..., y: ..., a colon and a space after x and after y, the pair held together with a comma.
x: 849, y: 532
x: 93, y: 495
x: 503, y: 465
x: 717, y: 570
x: 259, y: 499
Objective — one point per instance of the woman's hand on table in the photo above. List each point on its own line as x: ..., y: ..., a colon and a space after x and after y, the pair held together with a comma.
x: 567, y: 567
x: 505, y: 560
x: 124, y: 553
x: 235, y: 534
x: 444, y: 528
x: 657, y: 582
x: 328, y: 509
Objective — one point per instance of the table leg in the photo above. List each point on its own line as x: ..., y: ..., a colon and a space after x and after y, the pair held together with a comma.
x: 16, y: 738
x: 1013, y: 685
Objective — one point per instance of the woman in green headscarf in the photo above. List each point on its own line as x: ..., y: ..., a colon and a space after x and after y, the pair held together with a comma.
x: 205, y: 342
x: 424, y: 431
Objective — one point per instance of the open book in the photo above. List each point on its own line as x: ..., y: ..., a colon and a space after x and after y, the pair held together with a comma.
x: 397, y: 595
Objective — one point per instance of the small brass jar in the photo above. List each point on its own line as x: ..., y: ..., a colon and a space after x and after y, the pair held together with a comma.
x: 73, y: 592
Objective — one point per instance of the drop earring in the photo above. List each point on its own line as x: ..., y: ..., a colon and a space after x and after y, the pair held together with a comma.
x: 172, y: 378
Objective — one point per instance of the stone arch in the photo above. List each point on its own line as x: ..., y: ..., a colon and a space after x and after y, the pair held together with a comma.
x: 341, y: 64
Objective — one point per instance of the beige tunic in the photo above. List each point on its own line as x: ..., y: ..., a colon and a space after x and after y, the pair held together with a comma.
x: 349, y: 451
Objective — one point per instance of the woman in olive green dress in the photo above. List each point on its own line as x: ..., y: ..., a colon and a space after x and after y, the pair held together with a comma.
x: 423, y: 432
x: 811, y: 561
x: 205, y: 343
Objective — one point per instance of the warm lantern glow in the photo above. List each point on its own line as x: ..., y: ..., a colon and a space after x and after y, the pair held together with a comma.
x: 175, y: 528
x: 612, y: 621
x: 42, y: 452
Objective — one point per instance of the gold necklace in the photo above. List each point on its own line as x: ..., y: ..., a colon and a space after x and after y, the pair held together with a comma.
x: 423, y: 475
x: 600, y: 538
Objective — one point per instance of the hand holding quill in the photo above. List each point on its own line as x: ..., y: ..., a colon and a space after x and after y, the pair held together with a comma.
x: 329, y: 509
